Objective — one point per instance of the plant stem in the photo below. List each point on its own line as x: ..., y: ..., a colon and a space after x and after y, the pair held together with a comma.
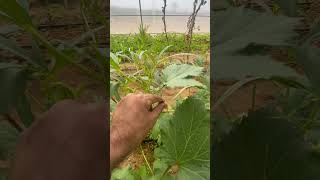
x: 183, y: 89
x: 35, y: 100
x: 191, y: 21
x: 165, y: 172
x: 63, y: 57
x: 146, y: 161
x: 164, y: 19
x: 85, y: 20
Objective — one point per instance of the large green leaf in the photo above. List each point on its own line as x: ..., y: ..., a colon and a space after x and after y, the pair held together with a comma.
x: 186, y: 141
x: 263, y: 147
x: 15, y: 12
x: 239, y: 67
x: 24, y: 4
x: 124, y: 173
x: 236, y: 29
x: 13, y: 84
x: 161, y: 123
x: 179, y: 75
x: 159, y: 168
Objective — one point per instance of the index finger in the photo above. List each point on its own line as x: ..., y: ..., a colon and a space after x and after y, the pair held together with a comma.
x: 151, y: 99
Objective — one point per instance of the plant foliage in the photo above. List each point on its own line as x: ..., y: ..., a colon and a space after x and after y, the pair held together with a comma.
x: 186, y: 141
x: 184, y: 150
x: 263, y: 146
x: 252, y: 28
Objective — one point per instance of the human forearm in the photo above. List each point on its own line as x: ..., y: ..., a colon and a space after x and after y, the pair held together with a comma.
x: 131, y: 121
x: 119, y: 146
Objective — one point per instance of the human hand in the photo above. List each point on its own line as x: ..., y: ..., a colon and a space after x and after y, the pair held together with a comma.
x: 132, y: 119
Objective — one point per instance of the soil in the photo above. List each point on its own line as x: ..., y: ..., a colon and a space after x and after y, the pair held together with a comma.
x: 241, y: 101
x: 3, y: 164
x: 136, y: 159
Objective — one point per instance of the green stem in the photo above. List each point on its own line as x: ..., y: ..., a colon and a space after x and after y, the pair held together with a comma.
x: 165, y: 172
x: 87, y: 27
x: 35, y: 100
x: 146, y: 161
x: 59, y: 55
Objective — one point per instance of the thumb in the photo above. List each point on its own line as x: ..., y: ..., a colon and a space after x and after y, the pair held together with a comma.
x: 157, y: 110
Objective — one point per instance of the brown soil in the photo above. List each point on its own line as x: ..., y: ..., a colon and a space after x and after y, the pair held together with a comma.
x: 55, y: 14
x: 73, y: 78
x: 136, y: 159
x: 240, y: 102
x: 56, y: 23
x: 3, y: 164
x: 169, y: 94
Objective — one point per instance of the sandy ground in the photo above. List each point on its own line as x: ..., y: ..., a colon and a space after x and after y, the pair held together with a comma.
x: 177, y: 24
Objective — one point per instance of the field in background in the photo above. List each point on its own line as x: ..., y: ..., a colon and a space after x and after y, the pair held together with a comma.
x: 177, y: 24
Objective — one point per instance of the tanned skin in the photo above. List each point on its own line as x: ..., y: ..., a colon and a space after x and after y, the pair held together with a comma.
x: 131, y: 121
x: 69, y: 142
